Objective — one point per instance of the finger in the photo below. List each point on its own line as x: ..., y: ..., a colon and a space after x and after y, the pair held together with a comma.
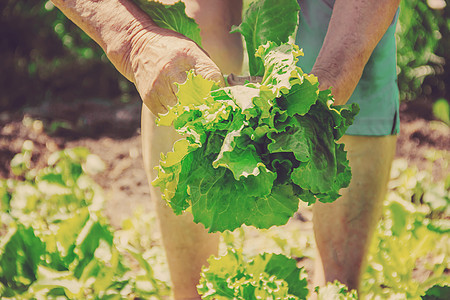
x: 154, y: 103
x: 163, y: 92
x: 241, y: 80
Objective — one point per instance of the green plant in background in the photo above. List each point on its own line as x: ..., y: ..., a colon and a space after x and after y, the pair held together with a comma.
x: 56, y: 243
x: 441, y: 110
x: 406, y: 239
x: 422, y: 48
x: 437, y: 293
x: 413, y: 234
x: 266, y: 276
x: 420, y: 187
x: 335, y: 291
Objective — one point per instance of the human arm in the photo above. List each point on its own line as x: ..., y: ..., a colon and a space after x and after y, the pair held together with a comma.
x: 151, y: 57
x: 355, y: 28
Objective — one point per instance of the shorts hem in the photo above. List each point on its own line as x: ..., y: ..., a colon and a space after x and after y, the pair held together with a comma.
x: 371, y: 129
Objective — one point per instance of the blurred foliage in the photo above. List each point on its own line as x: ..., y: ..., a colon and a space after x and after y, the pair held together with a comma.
x: 57, y: 244
x: 423, y: 40
x: 437, y: 293
x: 441, y: 110
x: 410, y: 251
x: 45, y: 56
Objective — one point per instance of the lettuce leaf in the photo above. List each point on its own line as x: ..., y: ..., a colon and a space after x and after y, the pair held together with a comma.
x: 335, y: 290
x: 266, y: 276
x: 171, y: 17
x: 264, y: 21
x: 280, y: 69
x: 437, y: 292
x: 22, y: 253
x: 251, y: 152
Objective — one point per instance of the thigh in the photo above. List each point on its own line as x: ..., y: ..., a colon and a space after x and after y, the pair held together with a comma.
x: 370, y: 158
x: 343, y: 229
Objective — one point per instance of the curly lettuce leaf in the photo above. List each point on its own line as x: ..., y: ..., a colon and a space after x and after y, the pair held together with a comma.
x: 274, y: 209
x: 194, y: 91
x: 169, y: 170
x: 301, y: 97
x: 171, y: 17
x: 281, y: 267
x: 251, y: 152
x: 217, y: 199
x: 335, y: 290
x: 280, y: 66
x: 267, y: 276
x: 342, y: 115
x: 238, y: 155
x: 264, y: 21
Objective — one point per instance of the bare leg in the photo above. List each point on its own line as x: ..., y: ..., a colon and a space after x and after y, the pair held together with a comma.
x: 344, y: 229
x: 187, y: 245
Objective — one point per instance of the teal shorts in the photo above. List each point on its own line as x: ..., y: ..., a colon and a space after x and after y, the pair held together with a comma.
x: 377, y: 92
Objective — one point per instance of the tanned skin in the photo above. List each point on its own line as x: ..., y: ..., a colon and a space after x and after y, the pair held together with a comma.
x: 355, y: 28
x: 151, y: 57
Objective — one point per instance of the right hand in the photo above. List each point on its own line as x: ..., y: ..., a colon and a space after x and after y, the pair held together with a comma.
x: 160, y: 58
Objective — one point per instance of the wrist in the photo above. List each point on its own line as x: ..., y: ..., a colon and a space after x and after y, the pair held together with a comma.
x: 113, y: 24
x: 335, y: 77
x: 325, y: 76
x: 124, y: 48
x: 327, y: 80
x: 121, y: 31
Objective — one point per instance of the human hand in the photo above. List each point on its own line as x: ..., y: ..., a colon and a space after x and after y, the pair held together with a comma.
x: 154, y: 58
x: 329, y: 79
x: 241, y: 80
x: 158, y: 59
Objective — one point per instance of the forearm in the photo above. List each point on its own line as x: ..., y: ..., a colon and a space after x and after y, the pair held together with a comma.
x: 116, y: 25
x: 113, y: 24
x: 355, y: 28
x: 153, y: 58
